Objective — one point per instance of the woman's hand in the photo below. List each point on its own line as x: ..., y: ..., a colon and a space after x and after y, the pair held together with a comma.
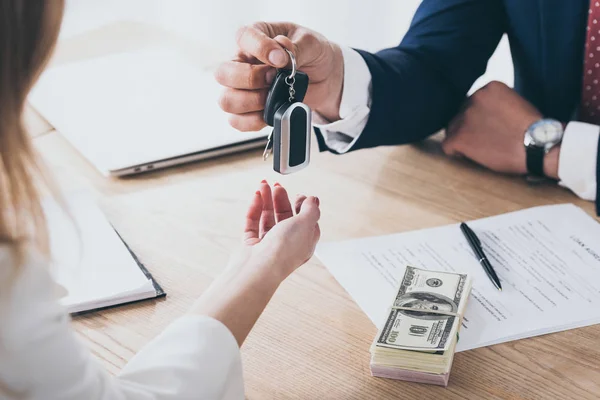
x: 276, y: 242
x: 279, y: 238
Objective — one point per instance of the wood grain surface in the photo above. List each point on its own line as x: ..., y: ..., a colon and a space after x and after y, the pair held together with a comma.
x: 313, y: 341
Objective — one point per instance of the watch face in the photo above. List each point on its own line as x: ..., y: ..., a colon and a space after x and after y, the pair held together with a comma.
x: 547, y: 132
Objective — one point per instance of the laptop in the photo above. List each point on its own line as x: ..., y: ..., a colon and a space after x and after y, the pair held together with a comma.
x: 130, y: 113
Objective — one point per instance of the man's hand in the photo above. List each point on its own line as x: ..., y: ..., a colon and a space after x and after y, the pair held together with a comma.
x: 249, y: 74
x: 490, y: 130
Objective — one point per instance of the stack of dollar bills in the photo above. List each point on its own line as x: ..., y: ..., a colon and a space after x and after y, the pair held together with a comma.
x: 418, y: 339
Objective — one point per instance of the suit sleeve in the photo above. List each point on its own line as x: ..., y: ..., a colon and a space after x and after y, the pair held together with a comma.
x: 418, y: 86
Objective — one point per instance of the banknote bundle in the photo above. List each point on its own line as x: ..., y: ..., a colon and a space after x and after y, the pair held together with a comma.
x: 418, y: 339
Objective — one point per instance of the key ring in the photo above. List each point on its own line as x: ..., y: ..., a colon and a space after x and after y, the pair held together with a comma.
x: 292, y: 76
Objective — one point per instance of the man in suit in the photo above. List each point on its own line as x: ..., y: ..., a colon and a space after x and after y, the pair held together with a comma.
x: 547, y: 126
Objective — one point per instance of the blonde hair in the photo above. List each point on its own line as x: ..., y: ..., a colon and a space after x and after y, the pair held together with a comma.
x: 28, y: 33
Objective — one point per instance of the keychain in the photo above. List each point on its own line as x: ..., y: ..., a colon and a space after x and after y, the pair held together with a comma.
x: 289, y: 140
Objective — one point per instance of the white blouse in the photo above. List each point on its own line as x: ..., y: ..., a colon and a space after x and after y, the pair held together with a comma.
x: 196, y: 357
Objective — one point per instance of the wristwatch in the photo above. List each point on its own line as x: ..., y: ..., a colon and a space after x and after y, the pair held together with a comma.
x: 540, y: 137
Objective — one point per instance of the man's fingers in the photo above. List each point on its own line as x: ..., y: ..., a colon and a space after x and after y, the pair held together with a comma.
x: 298, y: 49
x: 448, y: 147
x: 237, y: 101
x: 287, y: 43
x: 242, y: 56
x: 281, y: 203
x: 310, y: 209
x: 455, y: 126
x: 452, y: 147
x: 250, y: 122
x: 242, y: 75
x: 298, y: 202
x: 306, y: 45
x: 267, y: 219
x: 251, y: 230
x: 253, y: 40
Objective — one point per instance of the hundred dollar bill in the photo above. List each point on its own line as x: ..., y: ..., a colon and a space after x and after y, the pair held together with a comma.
x: 425, y: 313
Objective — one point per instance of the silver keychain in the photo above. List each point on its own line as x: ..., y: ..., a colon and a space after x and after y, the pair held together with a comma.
x: 290, y: 81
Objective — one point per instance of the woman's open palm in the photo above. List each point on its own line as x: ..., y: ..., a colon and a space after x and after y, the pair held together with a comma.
x: 275, y: 231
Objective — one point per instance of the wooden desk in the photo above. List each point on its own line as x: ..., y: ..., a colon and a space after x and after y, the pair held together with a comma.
x: 313, y: 342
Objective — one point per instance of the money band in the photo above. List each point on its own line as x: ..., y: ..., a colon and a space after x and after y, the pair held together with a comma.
x: 426, y: 311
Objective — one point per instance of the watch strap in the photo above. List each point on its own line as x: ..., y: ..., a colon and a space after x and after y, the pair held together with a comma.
x: 535, y: 160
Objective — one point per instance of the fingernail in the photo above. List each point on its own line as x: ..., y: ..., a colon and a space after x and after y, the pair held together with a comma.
x: 317, y: 201
x: 257, y: 192
x: 277, y: 58
x: 270, y: 76
x: 276, y: 184
x: 263, y: 181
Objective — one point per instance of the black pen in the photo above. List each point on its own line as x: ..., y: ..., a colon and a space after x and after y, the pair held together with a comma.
x: 478, y: 250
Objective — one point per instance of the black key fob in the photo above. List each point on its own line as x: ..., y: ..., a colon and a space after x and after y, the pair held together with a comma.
x: 279, y: 92
x: 291, y: 137
x: 291, y: 122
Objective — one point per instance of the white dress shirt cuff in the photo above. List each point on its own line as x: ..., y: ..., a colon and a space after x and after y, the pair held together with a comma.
x: 354, y: 107
x: 577, y: 160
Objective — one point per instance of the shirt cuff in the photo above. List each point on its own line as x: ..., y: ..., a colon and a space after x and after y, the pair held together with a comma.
x: 354, y: 106
x: 196, y: 356
x: 577, y: 160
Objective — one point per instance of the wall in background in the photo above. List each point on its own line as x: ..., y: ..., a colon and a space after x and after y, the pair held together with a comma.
x: 371, y: 25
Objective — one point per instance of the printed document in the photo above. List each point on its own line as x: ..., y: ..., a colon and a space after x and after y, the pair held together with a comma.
x: 547, y: 258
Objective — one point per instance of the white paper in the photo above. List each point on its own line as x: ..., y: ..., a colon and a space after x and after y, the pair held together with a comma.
x: 547, y: 258
x: 89, y: 260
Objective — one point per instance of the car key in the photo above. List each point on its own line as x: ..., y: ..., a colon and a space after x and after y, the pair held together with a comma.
x: 280, y: 93
x: 291, y: 120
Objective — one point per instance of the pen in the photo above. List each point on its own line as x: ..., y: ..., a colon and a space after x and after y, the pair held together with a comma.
x: 475, y: 244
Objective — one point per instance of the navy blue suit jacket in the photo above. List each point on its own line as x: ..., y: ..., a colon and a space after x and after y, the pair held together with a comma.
x: 418, y: 86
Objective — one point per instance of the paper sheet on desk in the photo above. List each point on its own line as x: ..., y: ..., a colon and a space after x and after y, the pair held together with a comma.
x: 548, y: 259
x: 89, y: 261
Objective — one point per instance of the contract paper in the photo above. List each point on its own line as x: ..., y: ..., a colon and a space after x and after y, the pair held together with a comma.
x: 547, y: 258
